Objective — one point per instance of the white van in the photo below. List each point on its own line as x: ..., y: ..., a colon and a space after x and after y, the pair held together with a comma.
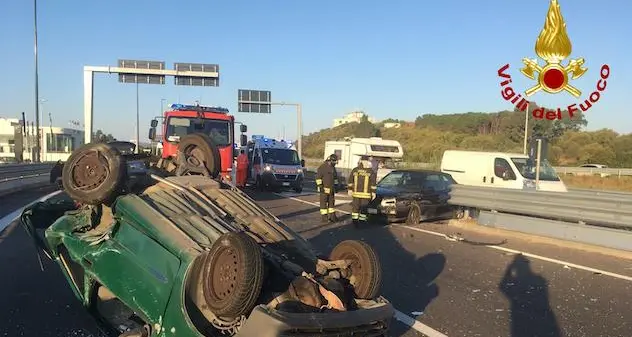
x: 499, y: 169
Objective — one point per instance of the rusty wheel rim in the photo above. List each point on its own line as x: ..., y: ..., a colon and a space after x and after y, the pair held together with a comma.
x: 224, y: 278
x: 355, y: 269
x: 194, y: 156
x: 90, y: 171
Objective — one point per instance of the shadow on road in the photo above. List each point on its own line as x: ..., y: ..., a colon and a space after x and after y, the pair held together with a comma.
x: 408, y: 280
x: 528, y: 294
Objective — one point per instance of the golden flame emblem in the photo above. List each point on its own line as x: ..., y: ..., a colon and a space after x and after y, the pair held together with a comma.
x: 553, y: 46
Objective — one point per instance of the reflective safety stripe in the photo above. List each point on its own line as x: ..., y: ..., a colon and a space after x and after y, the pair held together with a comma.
x: 355, y: 215
x: 362, y: 217
x: 323, y: 211
x: 331, y: 210
x: 327, y: 190
x: 361, y: 195
x: 373, y: 188
x: 319, y: 181
x: 336, y: 181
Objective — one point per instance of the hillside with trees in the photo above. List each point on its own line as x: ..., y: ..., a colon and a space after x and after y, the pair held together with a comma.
x: 425, y: 139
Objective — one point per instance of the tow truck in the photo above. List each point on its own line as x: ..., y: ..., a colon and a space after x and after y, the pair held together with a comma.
x: 273, y: 164
x: 209, y: 123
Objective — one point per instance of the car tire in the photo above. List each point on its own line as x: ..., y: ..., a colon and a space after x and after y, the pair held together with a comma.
x: 365, y: 273
x: 94, y: 174
x: 233, y: 275
x: 198, y: 147
x: 298, y: 189
x: 414, y: 215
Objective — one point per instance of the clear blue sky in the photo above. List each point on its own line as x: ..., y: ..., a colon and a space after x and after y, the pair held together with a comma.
x: 392, y: 58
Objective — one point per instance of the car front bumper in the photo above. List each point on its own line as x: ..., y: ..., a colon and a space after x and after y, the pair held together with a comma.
x: 278, y: 180
x: 266, y: 322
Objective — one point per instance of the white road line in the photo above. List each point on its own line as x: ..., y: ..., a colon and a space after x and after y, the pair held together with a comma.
x: 509, y: 250
x: 9, y: 218
x: 415, y: 324
x: 538, y: 257
x: 400, y: 316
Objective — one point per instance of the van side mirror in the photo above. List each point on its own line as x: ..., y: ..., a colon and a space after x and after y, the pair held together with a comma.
x: 152, y: 133
x: 243, y: 140
x: 243, y: 128
x: 154, y: 123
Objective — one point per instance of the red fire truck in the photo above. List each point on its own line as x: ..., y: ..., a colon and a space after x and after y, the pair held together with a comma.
x: 214, y: 123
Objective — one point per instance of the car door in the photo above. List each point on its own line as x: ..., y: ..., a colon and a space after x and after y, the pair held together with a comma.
x: 430, y: 194
x: 136, y: 268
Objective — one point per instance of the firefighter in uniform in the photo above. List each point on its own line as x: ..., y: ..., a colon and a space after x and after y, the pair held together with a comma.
x: 362, y: 186
x: 326, y: 183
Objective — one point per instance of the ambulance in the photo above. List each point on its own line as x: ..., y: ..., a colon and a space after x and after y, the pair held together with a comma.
x: 273, y: 165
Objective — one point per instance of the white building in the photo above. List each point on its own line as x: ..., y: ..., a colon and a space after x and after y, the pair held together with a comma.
x: 355, y: 116
x: 389, y: 125
x: 58, y: 143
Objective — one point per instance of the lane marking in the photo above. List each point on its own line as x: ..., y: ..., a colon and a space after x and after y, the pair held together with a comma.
x: 538, y: 257
x: 9, y: 218
x: 509, y: 250
x: 400, y: 316
x: 415, y: 324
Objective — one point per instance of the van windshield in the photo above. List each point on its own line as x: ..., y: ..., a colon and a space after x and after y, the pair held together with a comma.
x: 527, y: 170
x: 280, y: 156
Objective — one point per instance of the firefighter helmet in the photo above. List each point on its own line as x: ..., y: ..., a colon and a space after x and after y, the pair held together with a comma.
x: 333, y: 158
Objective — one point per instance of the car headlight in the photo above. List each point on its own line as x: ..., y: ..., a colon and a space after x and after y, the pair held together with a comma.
x: 267, y: 168
x: 299, y: 171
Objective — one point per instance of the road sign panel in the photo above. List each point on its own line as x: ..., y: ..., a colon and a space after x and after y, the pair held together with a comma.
x: 138, y: 78
x: 254, y: 108
x: 197, y: 81
x: 254, y: 96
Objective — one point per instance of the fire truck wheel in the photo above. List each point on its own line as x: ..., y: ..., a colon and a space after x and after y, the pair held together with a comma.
x: 233, y: 272
x: 365, y: 271
x: 199, y: 149
x: 94, y: 174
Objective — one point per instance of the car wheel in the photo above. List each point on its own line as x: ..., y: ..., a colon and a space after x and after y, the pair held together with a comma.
x: 365, y: 272
x: 298, y: 189
x: 94, y: 174
x: 414, y: 215
x: 200, y: 150
x: 233, y: 275
x: 260, y: 186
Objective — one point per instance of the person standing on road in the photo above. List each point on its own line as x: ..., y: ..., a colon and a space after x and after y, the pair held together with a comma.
x: 362, y: 186
x: 242, y: 169
x: 326, y: 183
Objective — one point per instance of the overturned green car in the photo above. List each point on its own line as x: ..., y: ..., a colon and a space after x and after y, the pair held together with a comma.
x: 192, y: 256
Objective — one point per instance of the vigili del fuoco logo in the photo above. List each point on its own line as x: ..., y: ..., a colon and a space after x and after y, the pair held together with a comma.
x: 553, y: 46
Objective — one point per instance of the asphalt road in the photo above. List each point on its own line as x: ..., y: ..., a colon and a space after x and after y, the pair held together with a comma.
x: 452, y: 281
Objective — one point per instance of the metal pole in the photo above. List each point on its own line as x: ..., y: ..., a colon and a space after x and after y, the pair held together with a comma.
x: 37, y: 120
x: 299, y: 116
x: 137, y: 122
x: 537, y: 167
x: 526, y: 127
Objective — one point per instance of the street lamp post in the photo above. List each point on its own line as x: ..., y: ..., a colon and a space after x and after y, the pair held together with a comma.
x: 526, y: 127
x: 37, y: 119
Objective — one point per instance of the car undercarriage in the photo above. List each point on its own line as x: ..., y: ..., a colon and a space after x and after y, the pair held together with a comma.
x: 189, y: 255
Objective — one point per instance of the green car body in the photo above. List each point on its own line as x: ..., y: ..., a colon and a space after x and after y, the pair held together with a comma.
x: 145, y: 251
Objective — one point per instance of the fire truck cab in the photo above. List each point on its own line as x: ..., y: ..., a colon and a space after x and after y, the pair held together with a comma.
x: 273, y: 164
x: 215, y: 122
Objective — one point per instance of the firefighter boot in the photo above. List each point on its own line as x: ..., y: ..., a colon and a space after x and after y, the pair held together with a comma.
x: 324, y: 219
x: 333, y: 217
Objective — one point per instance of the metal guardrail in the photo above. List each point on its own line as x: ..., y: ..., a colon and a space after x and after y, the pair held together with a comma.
x: 16, y: 184
x: 597, y: 218
x: 605, y: 209
x: 20, y: 170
